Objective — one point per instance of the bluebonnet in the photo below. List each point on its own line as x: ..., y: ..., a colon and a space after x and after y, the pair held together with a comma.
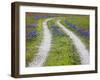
x: 82, y: 32
x: 56, y: 30
x: 38, y: 17
x: 30, y: 35
x: 44, y: 16
x: 31, y: 25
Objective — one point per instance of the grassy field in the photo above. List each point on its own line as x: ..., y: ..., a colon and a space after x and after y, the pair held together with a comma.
x: 81, y: 22
x: 62, y: 50
x: 32, y: 44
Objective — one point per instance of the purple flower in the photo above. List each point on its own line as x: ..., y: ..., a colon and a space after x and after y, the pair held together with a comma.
x: 56, y: 30
x: 30, y: 35
x: 31, y: 25
x: 36, y: 17
x: 81, y: 31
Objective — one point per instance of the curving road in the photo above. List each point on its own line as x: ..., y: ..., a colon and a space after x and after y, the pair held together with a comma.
x: 83, y: 52
x: 44, y: 46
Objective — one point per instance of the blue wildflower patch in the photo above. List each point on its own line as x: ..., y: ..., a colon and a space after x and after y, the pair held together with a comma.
x: 81, y: 31
x: 31, y: 25
x: 30, y: 35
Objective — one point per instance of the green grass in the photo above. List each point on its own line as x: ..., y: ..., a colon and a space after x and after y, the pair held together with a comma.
x: 30, y: 20
x: 84, y: 24
x: 81, y: 21
x: 32, y: 45
x: 62, y: 50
